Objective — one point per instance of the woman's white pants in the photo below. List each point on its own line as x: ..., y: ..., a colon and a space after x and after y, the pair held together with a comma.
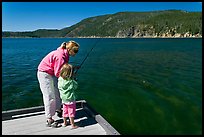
x: 51, y: 95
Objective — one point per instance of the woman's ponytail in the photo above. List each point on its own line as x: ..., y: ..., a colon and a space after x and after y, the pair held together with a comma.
x: 63, y: 45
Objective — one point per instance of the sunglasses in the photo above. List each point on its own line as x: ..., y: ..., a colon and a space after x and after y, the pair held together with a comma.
x: 75, y: 50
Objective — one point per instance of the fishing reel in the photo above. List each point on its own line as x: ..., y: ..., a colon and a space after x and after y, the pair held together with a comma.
x: 75, y: 70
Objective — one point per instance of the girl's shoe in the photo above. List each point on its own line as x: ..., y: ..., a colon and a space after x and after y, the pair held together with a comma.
x: 74, y: 127
x: 64, y: 125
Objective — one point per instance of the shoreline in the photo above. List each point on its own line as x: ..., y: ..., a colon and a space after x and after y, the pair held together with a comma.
x: 107, y: 37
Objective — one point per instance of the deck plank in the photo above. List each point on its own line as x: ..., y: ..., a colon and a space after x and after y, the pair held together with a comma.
x: 35, y: 125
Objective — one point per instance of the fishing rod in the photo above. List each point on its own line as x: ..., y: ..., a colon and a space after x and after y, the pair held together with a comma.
x: 87, y: 56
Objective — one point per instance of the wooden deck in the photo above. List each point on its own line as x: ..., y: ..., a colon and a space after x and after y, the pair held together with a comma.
x: 31, y: 121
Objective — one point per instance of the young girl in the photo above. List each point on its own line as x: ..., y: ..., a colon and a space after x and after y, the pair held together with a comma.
x: 67, y: 86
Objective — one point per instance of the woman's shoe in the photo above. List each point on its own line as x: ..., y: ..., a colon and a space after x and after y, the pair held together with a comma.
x: 59, y: 114
x: 52, y: 123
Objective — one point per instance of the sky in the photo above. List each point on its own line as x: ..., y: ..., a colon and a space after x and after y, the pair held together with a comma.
x: 30, y: 16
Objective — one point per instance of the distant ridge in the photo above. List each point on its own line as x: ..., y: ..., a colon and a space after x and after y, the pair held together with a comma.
x: 167, y: 23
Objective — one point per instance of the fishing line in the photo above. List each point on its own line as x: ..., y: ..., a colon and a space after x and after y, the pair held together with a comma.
x: 87, y: 55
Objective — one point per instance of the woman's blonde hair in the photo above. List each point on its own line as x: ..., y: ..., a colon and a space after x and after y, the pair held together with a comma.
x: 66, y: 71
x: 70, y: 45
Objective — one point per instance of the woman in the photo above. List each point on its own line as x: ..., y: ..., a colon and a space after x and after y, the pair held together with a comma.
x: 48, y: 73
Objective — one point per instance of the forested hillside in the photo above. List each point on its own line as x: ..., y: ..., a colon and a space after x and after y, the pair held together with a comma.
x: 169, y: 23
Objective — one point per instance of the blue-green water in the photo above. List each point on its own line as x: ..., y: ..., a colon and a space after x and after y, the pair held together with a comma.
x: 140, y: 86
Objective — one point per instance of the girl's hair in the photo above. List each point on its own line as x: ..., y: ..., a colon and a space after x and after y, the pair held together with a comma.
x: 66, y: 71
x: 70, y: 45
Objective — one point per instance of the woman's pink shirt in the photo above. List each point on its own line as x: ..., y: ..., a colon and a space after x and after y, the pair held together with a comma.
x: 52, y: 63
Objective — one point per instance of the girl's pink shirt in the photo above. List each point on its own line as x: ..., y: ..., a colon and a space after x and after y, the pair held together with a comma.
x: 52, y: 63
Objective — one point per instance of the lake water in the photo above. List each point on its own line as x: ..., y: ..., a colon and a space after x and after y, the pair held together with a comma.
x: 141, y: 86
